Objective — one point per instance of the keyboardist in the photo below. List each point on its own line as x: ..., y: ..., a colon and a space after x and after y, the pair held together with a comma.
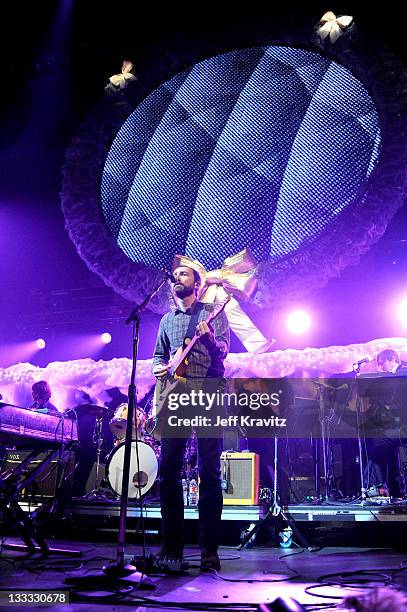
x: 41, y: 392
x: 389, y: 361
x: 382, y: 468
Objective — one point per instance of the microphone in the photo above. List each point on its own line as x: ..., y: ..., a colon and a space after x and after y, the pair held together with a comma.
x: 364, y: 360
x: 140, y: 307
x: 169, y: 276
x: 326, y: 386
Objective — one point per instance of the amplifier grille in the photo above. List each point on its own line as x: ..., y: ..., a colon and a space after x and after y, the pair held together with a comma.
x: 241, y: 470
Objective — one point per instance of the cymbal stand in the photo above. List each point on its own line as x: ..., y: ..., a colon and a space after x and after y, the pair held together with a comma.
x: 96, y: 494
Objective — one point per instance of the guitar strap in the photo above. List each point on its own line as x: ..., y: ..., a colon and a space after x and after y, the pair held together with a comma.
x: 193, y: 322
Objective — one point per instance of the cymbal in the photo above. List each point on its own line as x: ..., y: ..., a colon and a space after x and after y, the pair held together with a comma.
x: 94, y: 410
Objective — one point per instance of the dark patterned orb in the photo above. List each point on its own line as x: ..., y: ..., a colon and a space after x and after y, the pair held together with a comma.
x: 262, y: 147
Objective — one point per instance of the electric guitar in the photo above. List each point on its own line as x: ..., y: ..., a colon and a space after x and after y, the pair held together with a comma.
x: 176, y: 373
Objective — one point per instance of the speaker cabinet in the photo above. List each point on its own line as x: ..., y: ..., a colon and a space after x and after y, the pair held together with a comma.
x: 44, y: 485
x: 240, y: 475
x: 307, y: 462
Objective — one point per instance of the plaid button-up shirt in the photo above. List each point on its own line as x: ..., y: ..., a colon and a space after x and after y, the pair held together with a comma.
x: 202, y: 362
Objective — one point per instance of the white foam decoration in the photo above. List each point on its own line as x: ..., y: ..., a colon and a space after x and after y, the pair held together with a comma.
x: 70, y: 380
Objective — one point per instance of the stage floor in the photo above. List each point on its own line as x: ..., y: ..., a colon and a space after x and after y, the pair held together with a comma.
x: 250, y: 576
x: 332, y: 512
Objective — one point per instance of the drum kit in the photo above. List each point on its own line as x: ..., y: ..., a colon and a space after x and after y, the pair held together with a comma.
x: 145, y: 453
x: 142, y: 479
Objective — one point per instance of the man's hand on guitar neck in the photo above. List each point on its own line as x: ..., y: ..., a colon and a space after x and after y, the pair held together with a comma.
x: 161, y: 370
x: 205, y: 334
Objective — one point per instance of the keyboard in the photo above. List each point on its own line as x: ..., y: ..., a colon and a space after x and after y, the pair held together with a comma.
x: 20, y: 425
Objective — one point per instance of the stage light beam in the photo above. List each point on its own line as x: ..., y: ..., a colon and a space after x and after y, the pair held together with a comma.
x: 403, y: 312
x: 106, y: 338
x: 298, y: 322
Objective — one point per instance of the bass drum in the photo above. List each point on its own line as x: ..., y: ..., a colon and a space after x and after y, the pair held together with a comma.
x: 141, y: 478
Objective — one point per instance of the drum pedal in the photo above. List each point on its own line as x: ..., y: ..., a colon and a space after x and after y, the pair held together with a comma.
x: 155, y: 565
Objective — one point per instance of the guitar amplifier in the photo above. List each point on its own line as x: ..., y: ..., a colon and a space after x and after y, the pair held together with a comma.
x: 304, y: 457
x: 240, y: 478
x: 44, y: 485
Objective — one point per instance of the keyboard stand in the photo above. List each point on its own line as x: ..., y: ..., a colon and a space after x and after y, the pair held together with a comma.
x: 24, y: 524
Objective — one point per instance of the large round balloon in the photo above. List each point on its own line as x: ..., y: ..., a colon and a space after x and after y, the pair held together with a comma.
x: 270, y: 148
x: 261, y: 148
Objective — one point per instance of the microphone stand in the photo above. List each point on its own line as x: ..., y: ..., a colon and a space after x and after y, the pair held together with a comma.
x: 326, y: 448
x: 119, y: 573
x: 363, y: 492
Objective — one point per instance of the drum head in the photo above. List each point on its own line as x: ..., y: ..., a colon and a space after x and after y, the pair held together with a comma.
x: 118, y: 424
x: 118, y: 428
x: 142, y: 475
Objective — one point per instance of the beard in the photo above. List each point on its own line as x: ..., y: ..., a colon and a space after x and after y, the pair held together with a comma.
x: 183, y: 292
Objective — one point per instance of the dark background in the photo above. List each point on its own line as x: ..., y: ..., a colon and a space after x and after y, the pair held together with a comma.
x: 56, y: 58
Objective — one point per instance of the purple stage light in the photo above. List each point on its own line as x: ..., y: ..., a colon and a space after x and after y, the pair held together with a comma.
x: 106, y: 338
x: 40, y: 343
x: 11, y: 354
x: 403, y: 312
x: 298, y: 322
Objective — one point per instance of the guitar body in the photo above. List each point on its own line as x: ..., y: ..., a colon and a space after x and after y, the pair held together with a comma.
x: 163, y: 387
